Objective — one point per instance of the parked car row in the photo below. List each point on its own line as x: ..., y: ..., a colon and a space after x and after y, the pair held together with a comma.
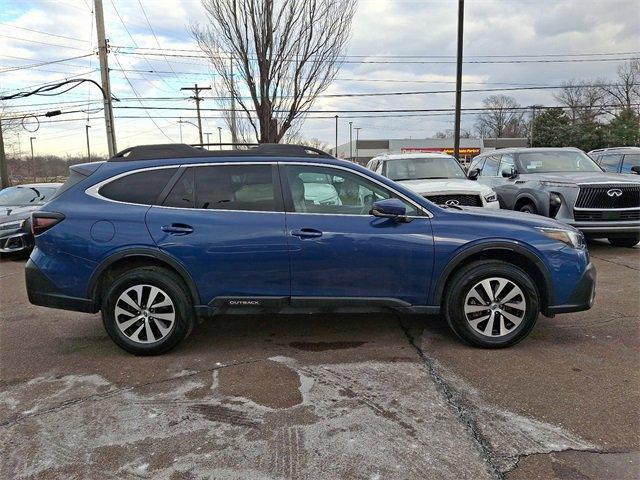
x: 560, y: 183
x: 16, y: 205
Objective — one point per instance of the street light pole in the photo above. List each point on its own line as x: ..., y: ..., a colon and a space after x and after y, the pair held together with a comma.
x: 357, y: 129
x: 351, y: 141
x: 207, y: 134
x: 456, y: 131
x: 180, y: 123
x: 33, y: 161
x: 86, y: 129
x: 336, y: 151
x: 220, y: 137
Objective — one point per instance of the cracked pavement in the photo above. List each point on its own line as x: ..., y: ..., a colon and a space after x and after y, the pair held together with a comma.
x: 324, y: 396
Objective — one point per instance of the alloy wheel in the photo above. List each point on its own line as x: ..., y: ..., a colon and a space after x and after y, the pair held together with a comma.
x: 145, y: 313
x: 495, y: 306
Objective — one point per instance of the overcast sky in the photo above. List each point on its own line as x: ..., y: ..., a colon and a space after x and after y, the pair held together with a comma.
x: 521, y: 28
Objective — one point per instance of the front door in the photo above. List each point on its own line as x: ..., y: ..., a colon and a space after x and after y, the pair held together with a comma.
x: 226, y: 224
x: 340, y: 252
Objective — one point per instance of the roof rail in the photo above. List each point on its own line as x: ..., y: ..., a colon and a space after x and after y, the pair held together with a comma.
x: 182, y: 150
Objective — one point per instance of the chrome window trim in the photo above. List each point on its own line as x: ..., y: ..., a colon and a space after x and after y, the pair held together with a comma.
x: 631, y: 209
x: 93, y: 190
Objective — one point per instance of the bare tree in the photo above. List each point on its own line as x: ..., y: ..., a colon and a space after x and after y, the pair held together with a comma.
x: 503, y: 117
x: 274, y: 57
x: 584, y: 100
x: 449, y: 133
x: 10, y: 128
x: 626, y: 92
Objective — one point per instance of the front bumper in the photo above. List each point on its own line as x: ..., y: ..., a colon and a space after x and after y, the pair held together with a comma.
x: 582, y: 297
x: 492, y: 205
x: 594, y: 228
x: 16, y: 241
x: 41, y: 291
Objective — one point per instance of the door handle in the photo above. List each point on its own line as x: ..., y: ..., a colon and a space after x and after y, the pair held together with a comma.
x: 306, y: 233
x: 177, y: 229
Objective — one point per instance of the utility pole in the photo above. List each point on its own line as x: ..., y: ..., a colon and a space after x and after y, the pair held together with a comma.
x: 104, y: 74
x: 33, y: 161
x: 351, y: 141
x: 357, y: 129
x: 234, y: 135
x: 196, y: 89
x: 220, y: 137
x: 336, y: 151
x: 86, y: 128
x: 456, y: 134
x: 533, y: 120
x: 4, y: 174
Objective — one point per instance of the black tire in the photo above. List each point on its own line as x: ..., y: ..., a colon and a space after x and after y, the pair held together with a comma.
x: 461, y: 285
x: 627, y: 242
x: 528, y: 208
x: 170, y: 285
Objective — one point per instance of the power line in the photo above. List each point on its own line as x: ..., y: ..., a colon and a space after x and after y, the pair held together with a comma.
x: 35, y: 65
x: 418, y: 62
x: 154, y: 35
x: 520, y: 55
x: 43, y: 43
x: 142, y: 105
x: 44, y: 33
x: 133, y: 40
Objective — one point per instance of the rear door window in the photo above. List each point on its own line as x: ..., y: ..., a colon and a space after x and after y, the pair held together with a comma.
x: 142, y: 188
x: 611, y: 162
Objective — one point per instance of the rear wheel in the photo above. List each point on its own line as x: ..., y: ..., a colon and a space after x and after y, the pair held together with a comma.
x: 491, y: 304
x: 147, y: 311
x: 627, y: 241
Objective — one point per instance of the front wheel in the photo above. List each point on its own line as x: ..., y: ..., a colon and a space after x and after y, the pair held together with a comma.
x: 628, y: 242
x: 529, y: 208
x: 491, y: 304
x: 147, y: 311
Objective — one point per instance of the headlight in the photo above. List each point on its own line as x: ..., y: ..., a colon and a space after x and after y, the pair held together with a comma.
x: 568, y: 237
x: 546, y: 183
x: 491, y: 197
x: 12, y: 225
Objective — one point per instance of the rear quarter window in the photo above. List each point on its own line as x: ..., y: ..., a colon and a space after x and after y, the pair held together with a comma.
x: 142, y: 188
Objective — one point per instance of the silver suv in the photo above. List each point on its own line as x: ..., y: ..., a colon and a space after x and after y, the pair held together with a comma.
x: 564, y: 183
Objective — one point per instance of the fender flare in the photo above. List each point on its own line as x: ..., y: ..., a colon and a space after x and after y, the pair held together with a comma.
x: 148, y: 252
x: 503, y: 245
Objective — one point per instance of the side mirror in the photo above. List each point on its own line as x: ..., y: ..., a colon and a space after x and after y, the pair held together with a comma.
x: 636, y: 169
x: 473, y: 174
x: 511, y: 173
x: 390, y: 208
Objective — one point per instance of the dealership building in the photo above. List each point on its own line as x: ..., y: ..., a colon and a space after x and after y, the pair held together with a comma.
x: 364, y: 150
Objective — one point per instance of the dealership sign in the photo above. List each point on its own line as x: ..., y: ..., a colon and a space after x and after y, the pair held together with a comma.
x: 449, y: 151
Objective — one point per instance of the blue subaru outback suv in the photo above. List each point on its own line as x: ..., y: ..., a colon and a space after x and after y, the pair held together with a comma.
x: 161, y: 236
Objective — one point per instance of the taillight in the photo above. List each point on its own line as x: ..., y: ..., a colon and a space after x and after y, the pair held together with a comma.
x: 43, y: 221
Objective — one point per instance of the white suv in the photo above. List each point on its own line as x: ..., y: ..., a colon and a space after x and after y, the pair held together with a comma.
x: 437, y: 177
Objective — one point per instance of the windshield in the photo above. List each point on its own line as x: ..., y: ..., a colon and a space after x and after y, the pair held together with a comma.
x: 25, y: 195
x: 423, y: 168
x: 558, y: 161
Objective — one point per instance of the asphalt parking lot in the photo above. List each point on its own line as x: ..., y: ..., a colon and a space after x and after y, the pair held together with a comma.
x: 323, y: 396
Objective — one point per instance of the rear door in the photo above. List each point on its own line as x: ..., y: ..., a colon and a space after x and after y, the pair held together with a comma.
x: 225, y: 223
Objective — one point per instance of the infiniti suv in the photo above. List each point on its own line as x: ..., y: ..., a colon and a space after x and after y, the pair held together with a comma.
x: 566, y: 184
x: 159, y: 237
x: 436, y: 176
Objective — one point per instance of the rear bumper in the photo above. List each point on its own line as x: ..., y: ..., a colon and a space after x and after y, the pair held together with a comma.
x: 582, y: 297
x: 43, y: 292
